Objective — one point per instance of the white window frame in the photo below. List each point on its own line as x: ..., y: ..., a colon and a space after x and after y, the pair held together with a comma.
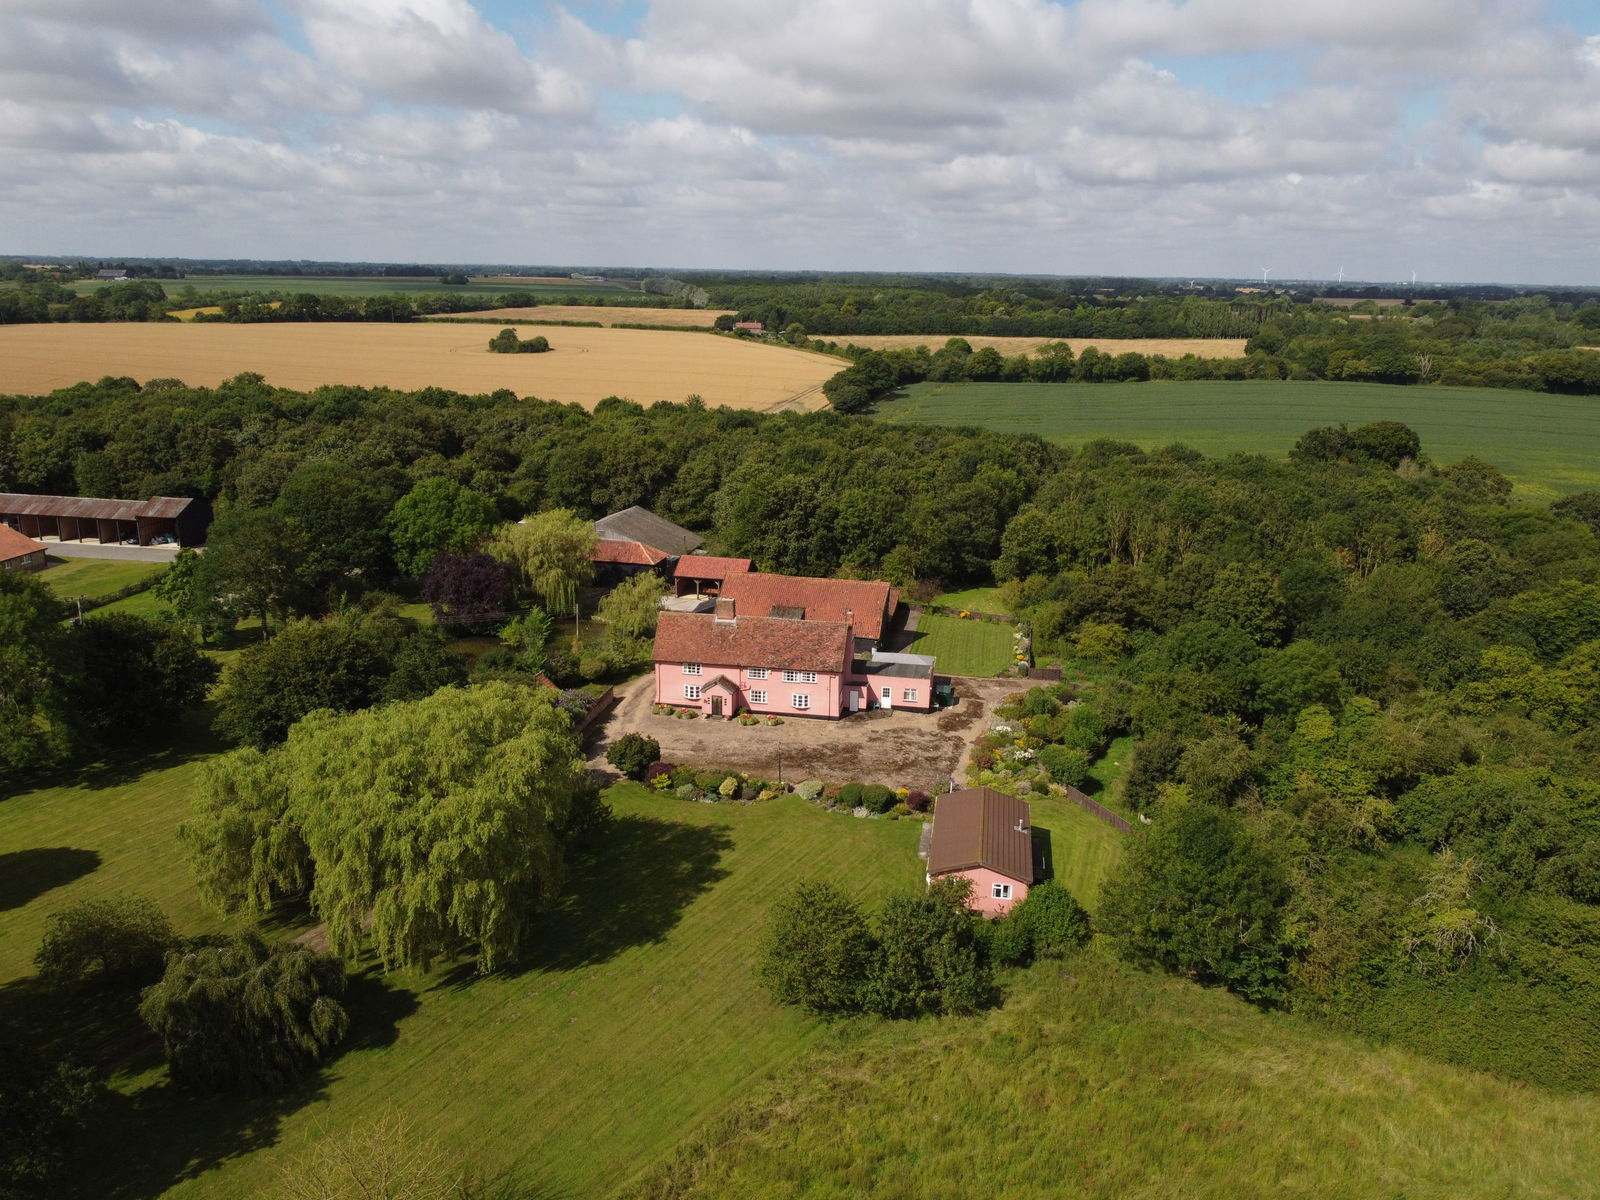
x: 908, y: 695
x: 791, y: 676
x: 999, y: 891
x: 758, y: 672
x: 800, y: 701
x: 691, y: 668
x: 808, y: 676
x: 691, y: 691
x: 758, y: 697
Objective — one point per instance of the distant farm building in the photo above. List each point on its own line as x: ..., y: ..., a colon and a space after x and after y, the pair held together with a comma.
x: 636, y: 540
x: 19, y: 552
x: 985, y: 837
x: 160, y: 520
x: 114, y: 275
x: 748, y: 326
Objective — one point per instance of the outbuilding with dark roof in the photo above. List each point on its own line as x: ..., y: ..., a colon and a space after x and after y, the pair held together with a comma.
x: 160, y: 519
x: 986, y: 837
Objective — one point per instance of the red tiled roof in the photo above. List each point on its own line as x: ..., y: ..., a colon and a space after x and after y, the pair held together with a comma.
x: 866, y: 604
x: 14, y: 544
x: 709, y: 566
x: 978, y: 827
x: 637, y: 554
x: 753, y: 642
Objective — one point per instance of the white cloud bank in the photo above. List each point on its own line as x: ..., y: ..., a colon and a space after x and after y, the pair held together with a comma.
x: 1457, y: 138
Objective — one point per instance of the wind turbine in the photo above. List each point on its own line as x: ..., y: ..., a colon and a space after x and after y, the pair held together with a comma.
x: 1413, y: 278
x: 1341, y: 274
x: 1264, y: 271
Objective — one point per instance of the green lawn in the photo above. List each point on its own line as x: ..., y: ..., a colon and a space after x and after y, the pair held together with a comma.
x: 979, y: 599
x: 93, y: 577
x: 1549, y: 444
x: 1083, y: 848
x: 964, y: 647
x: 638, y: 1019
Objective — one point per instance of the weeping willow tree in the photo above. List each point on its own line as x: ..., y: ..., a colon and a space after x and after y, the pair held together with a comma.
x: 549, y: 551
x: 427, y: 828
x: 246, y: 1015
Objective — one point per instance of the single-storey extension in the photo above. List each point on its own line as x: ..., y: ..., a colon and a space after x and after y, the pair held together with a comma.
x: 986, y: 837
x: 721, y: 662
x: 19, y: 552
x: 159, y: 520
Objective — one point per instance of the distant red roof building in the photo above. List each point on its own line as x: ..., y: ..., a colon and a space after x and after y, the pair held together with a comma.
x: 18, y: 552
x: 695, y: 571
x: 752, y: 326
x: 632, y: 554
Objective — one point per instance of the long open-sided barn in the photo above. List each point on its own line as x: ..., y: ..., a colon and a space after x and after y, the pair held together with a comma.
x: 87, y: 519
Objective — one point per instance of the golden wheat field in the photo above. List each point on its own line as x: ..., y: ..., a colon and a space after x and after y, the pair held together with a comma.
x: 1170, y: 347
x: 584, y: 365
x: 688, y: 318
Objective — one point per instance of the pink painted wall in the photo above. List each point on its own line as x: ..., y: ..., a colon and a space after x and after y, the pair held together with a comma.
x: 922, y: 687
x: 826, y: 694
x: 982, y: 900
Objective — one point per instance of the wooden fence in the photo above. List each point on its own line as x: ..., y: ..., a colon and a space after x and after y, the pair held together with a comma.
x: 1099, y: 810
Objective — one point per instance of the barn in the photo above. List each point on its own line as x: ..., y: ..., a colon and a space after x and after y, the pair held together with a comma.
x: 18, y: 552
x: 160, y: 520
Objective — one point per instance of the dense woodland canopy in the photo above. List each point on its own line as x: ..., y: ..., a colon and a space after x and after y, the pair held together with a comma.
x: 1362, y: 683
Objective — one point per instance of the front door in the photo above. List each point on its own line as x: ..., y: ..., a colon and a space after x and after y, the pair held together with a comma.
x: 716, y: 706
x: 888, y: 697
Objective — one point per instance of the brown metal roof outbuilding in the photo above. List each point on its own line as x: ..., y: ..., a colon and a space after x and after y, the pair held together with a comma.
x: 88, y: 518
x: 980, y: 827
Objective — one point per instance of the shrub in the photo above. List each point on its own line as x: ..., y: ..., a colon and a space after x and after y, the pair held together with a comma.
x: 850, y: 795
x: 688, y: 791
x: 810, y: 790
x: 1010, y: 940
x: 1067, y: 766
x: 1039, y: 703
x: 774, y: 720
x: 682, y: 775
x: 1054, y: 920
x: 119, y: 937
x: 243, y: 1014
x: 817, y: 950
x: 688, y: 714
x: 729, y: 787
x: 917, y: 801
x: 898, y: 811
x: 633, y: 754
x: 877, y: 798
x: 659, y: 770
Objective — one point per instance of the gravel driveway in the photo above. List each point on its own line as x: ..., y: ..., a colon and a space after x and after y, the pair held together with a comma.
x: 895, y: 747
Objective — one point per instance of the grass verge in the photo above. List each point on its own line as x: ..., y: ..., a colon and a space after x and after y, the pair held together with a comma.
x: 92, y: 578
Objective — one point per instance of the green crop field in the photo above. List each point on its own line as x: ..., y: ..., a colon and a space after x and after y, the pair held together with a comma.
x: 94, y: 577
x: 1549, y: 444
x: 372, y: 285
x: 1097, y: 1082
x: 964, y: 647
x: 637, y: 1020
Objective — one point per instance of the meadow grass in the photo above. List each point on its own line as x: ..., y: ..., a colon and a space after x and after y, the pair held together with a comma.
x: 1097, y: 1081
x: 637, y: 1019
x: 94, y: 577
x: 978, y: 599
x: 963, y: 647
x: 1550, y: 445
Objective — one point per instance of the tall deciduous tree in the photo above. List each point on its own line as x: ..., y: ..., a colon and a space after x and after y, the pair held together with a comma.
x: 43, y: 1106
x: 35, y: 729
x: 437, y: 514
x: 249, y: 567
x: 817, y: 950
x: 419, y: 825
x: 308, y: 665
x: 138, y: 676
x: 1195, y: 894
x: 629, y: 611
x: 549, y: 551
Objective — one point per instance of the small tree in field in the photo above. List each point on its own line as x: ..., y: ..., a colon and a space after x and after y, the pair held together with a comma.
x: 384, y: 1159
x: 118, y: 937
x: 245, y: 1015
x: 1055, y: 922
x: 632, y: 754
x: 817, y: 951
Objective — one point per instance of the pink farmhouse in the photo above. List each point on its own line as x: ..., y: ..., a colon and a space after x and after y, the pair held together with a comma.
x: 986, y: 837
x: 722, y: 662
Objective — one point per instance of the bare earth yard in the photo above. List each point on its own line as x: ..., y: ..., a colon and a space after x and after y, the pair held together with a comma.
x: 584, y: 367
x: 897, y: 748
x: 689, y: 318
x: 1170, y: 347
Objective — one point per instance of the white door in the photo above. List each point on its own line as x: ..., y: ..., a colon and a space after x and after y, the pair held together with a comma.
x: 855, y: 699
x: 888, y: 697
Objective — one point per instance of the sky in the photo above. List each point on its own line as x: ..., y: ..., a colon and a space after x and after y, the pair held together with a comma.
x: 1459, y: 139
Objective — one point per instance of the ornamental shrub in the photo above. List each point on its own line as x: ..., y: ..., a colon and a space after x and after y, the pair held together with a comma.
x: 1054, y: 920
x: 850, y: 795
x: 810, y: 790
x: 117, y: 937
x: 877, y: 798
x: 1067, y: 766
x: 633, y: 753
x: 688, y: 791
x: 917, y: 801
x: 659, y: 774
x: 729, y: 787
